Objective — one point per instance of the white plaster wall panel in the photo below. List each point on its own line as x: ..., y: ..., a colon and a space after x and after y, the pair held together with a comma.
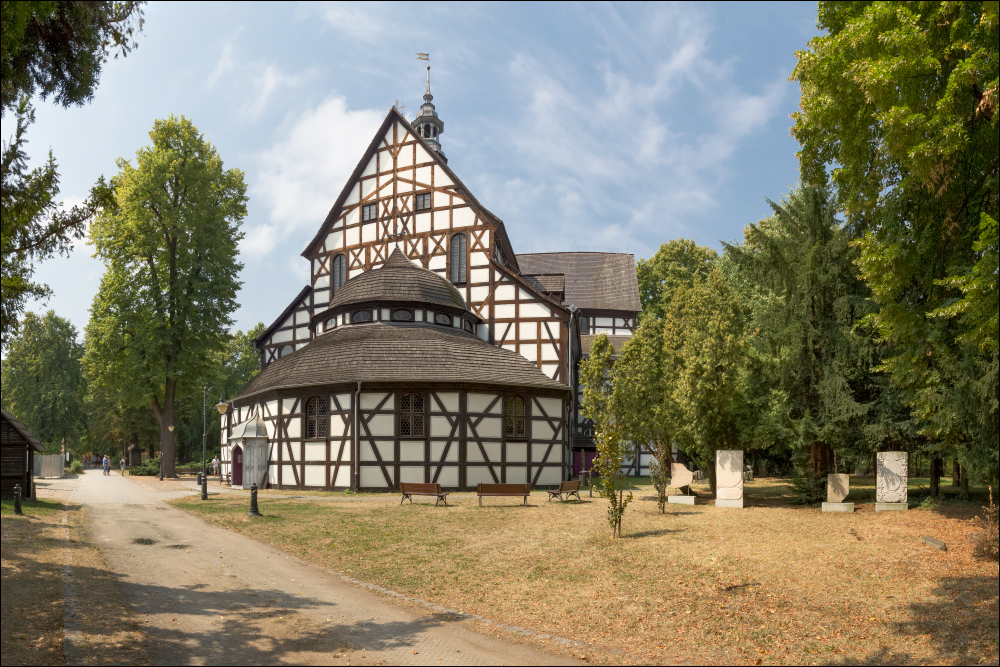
x: 367, y: 453
x: 503, y: 293
x: 441, y: 221
x: 314, y: 266
x: 385, y: 187
x: 369, y: 401
x: 448, y: 399
x: 517, y: 452
x: 287, y: 475
x: 423, y: 176
x: 538, y: 453
x: 321, y: 297
x: 422, y: 223
x: 315, y: 451
x: 489, y: 428
x: 367, y: 189
x: 386, y: 449
x: 603, y: 322
x: 335, y: 241
x: 322, y: 282
x: 302, y: 333
x: 405, y: 158
x: 619, y: 322
x: 483, y: 332
x: 372, y: 477
x: 479, y: 294
x: 524, y: 296
x: 411, y: 474
x: 272, y: 474
x: 549, y: 352
x: 344, y: 400
x: 346, y: 456
x: 478, y: 475
x: 542, y: 430
x: 517, y: 474
x: 600, y: 330
x: 463, y: 217
x: 295, y: 428
x: 535, y: 310
x: 527, y: 330
x: 411, y: 450
x: 384, y: 315
x: 448, y: 477
x: 509, y: 346
x: 371, y: 166
x: 382, y: 425
x: 369, y: 232
x: 282, y: 336
x: 479, y: 402
x: 301, y: 317
x: 440, y: 427
x: 437, y: 450
x: 353, y: 196
x: 479, y: 259
x: 506, y: 311
x: 441, y: 178
x: 552, y: 406
x: 473, y: 454
x: 437, y: 262
x: 550, y: 370
x: 299, y: 346
x: 492, y: 451
x: 343, y: 477
x: 352, y: 236
x: 296, y: 455
x: 529, y: 352
x: 354, y: 215
x: 550, y: 476
x: 315, y: 476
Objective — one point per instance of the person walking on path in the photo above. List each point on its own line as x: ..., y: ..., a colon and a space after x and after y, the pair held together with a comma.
x: 215, y: 466
x: 107, y: 465
x: 122, y: 464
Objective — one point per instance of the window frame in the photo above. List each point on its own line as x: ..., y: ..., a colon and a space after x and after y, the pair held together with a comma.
x: 458, y: 267
x: 338, y: 272
x: 423, y: 197
x: 369, y: 208
x: 513, y: 418
x: 319, y: 421
x: 401, y: 416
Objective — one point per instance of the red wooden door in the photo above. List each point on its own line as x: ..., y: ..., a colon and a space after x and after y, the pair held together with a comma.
x: 237, y: 466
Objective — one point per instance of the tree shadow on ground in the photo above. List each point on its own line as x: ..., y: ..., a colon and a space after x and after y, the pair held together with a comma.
x: 960, y: 625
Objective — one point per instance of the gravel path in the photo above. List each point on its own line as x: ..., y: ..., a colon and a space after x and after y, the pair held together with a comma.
x: 208, y: 596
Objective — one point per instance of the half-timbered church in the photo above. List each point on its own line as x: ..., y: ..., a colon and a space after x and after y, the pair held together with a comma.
x: 424, y: 348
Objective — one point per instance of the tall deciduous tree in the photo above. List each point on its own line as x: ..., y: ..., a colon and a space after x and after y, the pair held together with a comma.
x: 898, y: 110
x: 50, y: 49
x: 43, y: 383
x: 169, y: 244
x: 677, y: 263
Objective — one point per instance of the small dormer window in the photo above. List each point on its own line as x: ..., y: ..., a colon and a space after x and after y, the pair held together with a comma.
x: 401, y: 315
x: 442, y: 319
x: 362, y: 316
x: 469, y: 327
x: 423, y: 201
x: 369, y: 212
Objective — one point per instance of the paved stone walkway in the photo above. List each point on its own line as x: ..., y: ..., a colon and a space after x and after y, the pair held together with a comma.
x: 211, y: 596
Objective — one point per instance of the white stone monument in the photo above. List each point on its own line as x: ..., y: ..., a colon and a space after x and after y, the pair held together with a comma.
x: 838, y: 486
x: 680, y: 477
x: 729, y: 478
x: 892, y: 470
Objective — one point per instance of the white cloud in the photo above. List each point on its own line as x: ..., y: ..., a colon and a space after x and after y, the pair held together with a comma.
x: 303, y: 172
x: 223, y: 66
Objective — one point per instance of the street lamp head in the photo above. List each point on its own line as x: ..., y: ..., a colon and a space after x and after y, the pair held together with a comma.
x: 222, y: 407
x: 171, y: 428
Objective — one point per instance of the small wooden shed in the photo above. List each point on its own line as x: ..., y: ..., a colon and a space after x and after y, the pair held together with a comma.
x: 249, y: 451
x: 17, y: 456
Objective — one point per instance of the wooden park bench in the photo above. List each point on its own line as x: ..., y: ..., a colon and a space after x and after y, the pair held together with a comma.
x: 566, y: 489
x: 502, y: 490
x: 410, y: 489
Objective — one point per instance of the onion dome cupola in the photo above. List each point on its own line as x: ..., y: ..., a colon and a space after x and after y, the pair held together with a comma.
x: 398, y: 292
x: 427, y: 123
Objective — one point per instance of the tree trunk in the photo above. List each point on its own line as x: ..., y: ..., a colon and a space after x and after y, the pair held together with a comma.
x: 956, y: 473
x: 711, y: 476
x: 165, y: 415
x: 937, y: 466
x: 821, y: 459
x: 963, y: 491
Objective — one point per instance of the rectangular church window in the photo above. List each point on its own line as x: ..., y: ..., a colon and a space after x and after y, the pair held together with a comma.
x: 369, y: 212
x: 423, y: 201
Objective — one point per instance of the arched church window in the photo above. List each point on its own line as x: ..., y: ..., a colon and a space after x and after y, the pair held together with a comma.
x: 459, y: 259
x: 514, y: 422
x: 316, y: 417
x: 411, y: 415
x: 339, y: 272
x: 285, y: 351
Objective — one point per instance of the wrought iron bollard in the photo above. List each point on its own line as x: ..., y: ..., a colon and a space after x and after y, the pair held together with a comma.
x: 253, y: 501
x: 17, y: 500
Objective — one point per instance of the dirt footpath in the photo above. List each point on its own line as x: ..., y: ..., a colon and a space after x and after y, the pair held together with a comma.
x: 207, y: 596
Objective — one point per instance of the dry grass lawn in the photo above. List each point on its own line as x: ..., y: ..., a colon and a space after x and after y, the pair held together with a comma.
x: 35, y: 549
x: 773, y: 583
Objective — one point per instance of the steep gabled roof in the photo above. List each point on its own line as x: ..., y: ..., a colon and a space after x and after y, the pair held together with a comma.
x: 23, y: 431
x: 289, y: 309
x: 595, y: 280
x: 394, y: 115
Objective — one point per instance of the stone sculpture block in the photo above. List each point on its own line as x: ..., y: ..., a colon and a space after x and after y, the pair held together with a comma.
x: 680, y: 476
x: 729, y: 478
x: 838, y: 507
x: 681, y: 499
x: 892, y: 469
x: 837, y: 487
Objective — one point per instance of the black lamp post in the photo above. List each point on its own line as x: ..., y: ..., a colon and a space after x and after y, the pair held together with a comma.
x: 221, y: 407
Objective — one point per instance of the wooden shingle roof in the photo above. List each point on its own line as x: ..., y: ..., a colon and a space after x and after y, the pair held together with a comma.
x: 398, y: 352
x: 398, y: 281
x: 23, y: 431
x: 597, y: 280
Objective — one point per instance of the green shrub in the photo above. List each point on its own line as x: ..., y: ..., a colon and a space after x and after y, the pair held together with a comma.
x: 148, y: 468
x: 76, y: 467
x: 986, y: 545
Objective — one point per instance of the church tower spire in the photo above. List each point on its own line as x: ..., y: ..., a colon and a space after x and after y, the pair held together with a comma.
x: 427, y: 123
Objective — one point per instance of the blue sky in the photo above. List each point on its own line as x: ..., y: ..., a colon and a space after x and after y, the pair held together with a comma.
x: 582, y: 126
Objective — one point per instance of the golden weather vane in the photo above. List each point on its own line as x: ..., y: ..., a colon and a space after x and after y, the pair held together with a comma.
x: 423, y: 56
